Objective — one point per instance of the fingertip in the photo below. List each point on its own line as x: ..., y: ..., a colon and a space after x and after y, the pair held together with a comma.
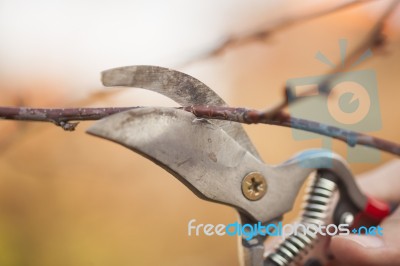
x: 354, y: 249
x: 360, y: 241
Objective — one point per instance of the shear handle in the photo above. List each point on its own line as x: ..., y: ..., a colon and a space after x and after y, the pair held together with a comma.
x: 371, y: 213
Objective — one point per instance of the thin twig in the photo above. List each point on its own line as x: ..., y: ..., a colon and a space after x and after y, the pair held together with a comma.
x: 251, y: 116
x: 266, y: 33
x: 62, y: 117
x: 374, y: 39
x: 12, y: 139
x: 59, y: 116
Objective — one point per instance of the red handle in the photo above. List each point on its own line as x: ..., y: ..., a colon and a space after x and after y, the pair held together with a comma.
x: 376, y: 209
x: 374, y: 212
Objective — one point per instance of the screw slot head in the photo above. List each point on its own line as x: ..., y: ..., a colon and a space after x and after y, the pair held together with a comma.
x: 254, y: 186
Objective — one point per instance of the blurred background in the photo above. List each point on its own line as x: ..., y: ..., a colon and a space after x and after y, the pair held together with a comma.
x: 72, y: 199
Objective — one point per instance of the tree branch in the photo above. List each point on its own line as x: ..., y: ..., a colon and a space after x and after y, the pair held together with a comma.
x: 266, y: 33
x: 251, y: 116
x: 59, y: 116
x: 274, y: 116
x: 62, y: 117
x: 374, y: 39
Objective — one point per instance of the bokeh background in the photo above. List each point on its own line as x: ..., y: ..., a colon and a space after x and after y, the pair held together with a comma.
x: 72, y: 199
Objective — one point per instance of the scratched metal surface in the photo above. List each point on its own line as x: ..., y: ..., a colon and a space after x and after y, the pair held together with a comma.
x: 180, y: 87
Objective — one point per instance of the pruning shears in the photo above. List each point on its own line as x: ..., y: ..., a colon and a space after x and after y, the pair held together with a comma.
x: 217, y: 161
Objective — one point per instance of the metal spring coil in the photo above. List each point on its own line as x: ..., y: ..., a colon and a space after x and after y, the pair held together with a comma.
x: 315, y: 209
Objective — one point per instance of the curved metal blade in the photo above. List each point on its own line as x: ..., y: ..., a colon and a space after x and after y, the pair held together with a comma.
x: 180, y: 87
x: 200, y: 154
x: 213, y: 165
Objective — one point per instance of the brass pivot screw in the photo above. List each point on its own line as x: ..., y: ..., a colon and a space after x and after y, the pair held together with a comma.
x: 254, y: 186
